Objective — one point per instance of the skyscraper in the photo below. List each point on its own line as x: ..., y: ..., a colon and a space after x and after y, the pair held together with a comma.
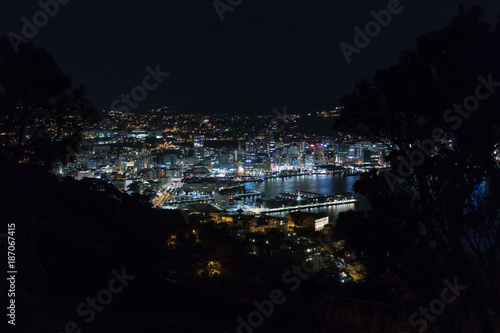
x: 198, y: 147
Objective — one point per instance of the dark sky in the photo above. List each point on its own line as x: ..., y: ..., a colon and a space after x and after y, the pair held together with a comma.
x: 265, y: 54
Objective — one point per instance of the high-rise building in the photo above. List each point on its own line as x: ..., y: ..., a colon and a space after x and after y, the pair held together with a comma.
x: 198, y: 141
x: 198, y: 147
x: 271, y: 146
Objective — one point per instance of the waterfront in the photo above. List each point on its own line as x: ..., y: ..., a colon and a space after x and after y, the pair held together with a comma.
x: 321, y: 184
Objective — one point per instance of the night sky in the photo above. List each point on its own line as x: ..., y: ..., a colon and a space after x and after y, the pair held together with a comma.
x: 264, y: 54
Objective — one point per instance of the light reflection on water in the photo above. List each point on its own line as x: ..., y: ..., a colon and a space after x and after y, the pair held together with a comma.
x: 321, y: 184
x: 331, y: 211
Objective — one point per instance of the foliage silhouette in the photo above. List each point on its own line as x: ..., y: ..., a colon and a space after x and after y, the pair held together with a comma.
x: 438, y: 210
x: 38, y: 105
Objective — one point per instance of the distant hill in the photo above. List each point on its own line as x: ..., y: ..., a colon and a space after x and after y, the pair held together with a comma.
x: 253, y: 107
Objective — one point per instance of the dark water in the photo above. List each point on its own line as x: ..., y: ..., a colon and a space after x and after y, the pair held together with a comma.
x: 321, y: 184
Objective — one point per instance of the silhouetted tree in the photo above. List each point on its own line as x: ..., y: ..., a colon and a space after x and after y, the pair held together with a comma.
x: 438, y: 109
x: 38, y: 105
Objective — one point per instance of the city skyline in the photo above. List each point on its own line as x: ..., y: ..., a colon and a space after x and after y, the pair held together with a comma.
x: 250, y: 166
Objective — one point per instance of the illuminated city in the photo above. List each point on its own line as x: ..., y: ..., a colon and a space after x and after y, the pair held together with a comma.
x: 250, y: 166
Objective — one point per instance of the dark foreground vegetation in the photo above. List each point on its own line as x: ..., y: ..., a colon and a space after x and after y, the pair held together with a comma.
x: 433, y: 221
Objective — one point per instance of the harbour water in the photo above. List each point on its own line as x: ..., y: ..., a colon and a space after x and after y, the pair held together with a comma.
x: 321, y: 184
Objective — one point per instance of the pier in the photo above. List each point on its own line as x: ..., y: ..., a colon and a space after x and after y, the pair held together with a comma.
x: 312, y: 205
